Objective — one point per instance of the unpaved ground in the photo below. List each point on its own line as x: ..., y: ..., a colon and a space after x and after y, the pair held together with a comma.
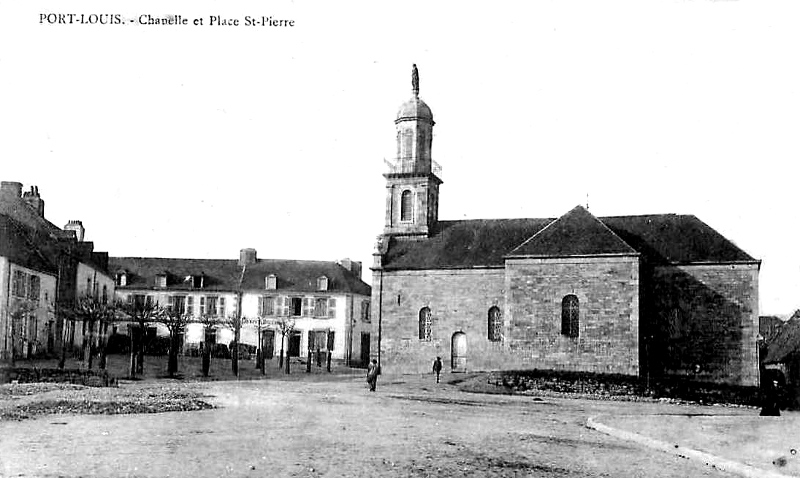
x: 410, y: 427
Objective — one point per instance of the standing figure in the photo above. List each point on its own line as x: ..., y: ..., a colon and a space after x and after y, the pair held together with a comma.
x: 771, y: 406
x: 437, y: 367
x: 372, y: 375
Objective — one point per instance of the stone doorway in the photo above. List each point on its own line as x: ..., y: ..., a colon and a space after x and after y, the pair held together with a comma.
x: 458, y: 352
x: 364, y: 348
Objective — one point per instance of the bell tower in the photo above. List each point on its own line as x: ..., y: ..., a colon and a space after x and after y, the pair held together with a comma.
x: 412, y: 184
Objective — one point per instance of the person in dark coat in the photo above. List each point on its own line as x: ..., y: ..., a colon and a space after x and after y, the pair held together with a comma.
x: 437, y: 367
x: 372, y: 375
x: 771, y: 399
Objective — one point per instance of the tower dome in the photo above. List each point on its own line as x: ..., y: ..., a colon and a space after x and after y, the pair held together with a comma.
x: 414, y: 108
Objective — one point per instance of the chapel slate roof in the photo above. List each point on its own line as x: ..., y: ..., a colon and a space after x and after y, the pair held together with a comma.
x: 576, y: 233
x: 660, y: 239
x: 225, y: 274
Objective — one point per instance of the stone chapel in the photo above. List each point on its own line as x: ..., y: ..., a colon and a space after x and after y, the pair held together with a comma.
x: 655, y: 295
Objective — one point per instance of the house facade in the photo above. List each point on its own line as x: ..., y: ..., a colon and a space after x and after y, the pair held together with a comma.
x: 44, y: 270
x: 651, y: 295
x: 325, y: 303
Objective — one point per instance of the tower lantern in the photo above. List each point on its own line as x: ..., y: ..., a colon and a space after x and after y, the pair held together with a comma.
x: 412, y: 201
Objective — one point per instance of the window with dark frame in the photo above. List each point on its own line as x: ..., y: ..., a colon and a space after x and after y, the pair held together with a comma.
x: 271, y: 282
x: 570, y: 316
x: 425, y: 323
x: 321, y: 307
x: 211, y: 305
x: 18, y: 284
x: 35, y: 287
x: 495, y: 324
x: 365, y: 311
x: 297, y: 306
x: 406, y: 205
x: 322, y: 283
x: 179, y: 304
x: 266, y: 306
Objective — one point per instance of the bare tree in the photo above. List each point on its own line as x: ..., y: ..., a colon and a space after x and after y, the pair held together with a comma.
x: 285, y: 326
x: 235, y: 323
x: 209, y: 323
x: 175, y: 320
x: 19, y: 311
x: 95, y: 315
x: 142, y: 312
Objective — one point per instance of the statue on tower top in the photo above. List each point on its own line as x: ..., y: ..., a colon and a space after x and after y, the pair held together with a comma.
x: 415, y: 79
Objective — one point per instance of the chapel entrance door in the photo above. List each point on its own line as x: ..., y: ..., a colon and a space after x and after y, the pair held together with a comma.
x: 364, y: 348
x: 458, y: 352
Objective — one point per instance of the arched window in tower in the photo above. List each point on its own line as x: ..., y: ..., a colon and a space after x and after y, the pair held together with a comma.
x: 406, y: 205
x: 495, y: 324
x: 570, y: 316
x: 425, y: 322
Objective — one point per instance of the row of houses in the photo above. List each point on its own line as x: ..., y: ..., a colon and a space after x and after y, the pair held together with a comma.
x: 326, y: 302
x: 45, y: 270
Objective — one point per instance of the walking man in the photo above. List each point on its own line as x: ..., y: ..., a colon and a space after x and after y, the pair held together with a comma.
x: 437, y: 367
x: 372, y: 375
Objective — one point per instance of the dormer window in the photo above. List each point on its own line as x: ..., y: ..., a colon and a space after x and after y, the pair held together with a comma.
x: 196, y: 281
x: 271, y: 282
x: 161, y: 280
x: 322, y: 283
x: 121, y: 279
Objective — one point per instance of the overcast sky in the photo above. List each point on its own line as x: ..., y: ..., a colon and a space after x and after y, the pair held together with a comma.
x: 197, y: 141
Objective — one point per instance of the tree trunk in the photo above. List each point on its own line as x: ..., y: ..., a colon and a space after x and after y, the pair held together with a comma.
x: 88, y: 345
x: 103, y: 342
x: 206, y: 359
x: 172, y: 360
x: 235, y: 353
x: 63, y: 360
x: 140, y: 348
x: 133, y: 353
x: 280, y: 359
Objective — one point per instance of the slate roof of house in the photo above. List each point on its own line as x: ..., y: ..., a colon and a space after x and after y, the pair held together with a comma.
x: 225, y: 274
x: 785, y: 342
x: 44, y: 237
x: 23, y: 246
x: 659, y: 238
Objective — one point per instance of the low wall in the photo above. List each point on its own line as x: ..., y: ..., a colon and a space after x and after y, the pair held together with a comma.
x: 90, y: 378
x: 607, y: 385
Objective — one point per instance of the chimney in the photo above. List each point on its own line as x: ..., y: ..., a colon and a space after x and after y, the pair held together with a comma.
x: 77, y: 228
x: 247, y: 257
x: 352, y: 266
x: 34, y: 200
x: 11, y: 187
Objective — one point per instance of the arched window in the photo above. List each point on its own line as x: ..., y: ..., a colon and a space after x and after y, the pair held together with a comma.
x: 495, y: 324
x: 570, y: 313
x: 425, y: 324
x: 406, y: 205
